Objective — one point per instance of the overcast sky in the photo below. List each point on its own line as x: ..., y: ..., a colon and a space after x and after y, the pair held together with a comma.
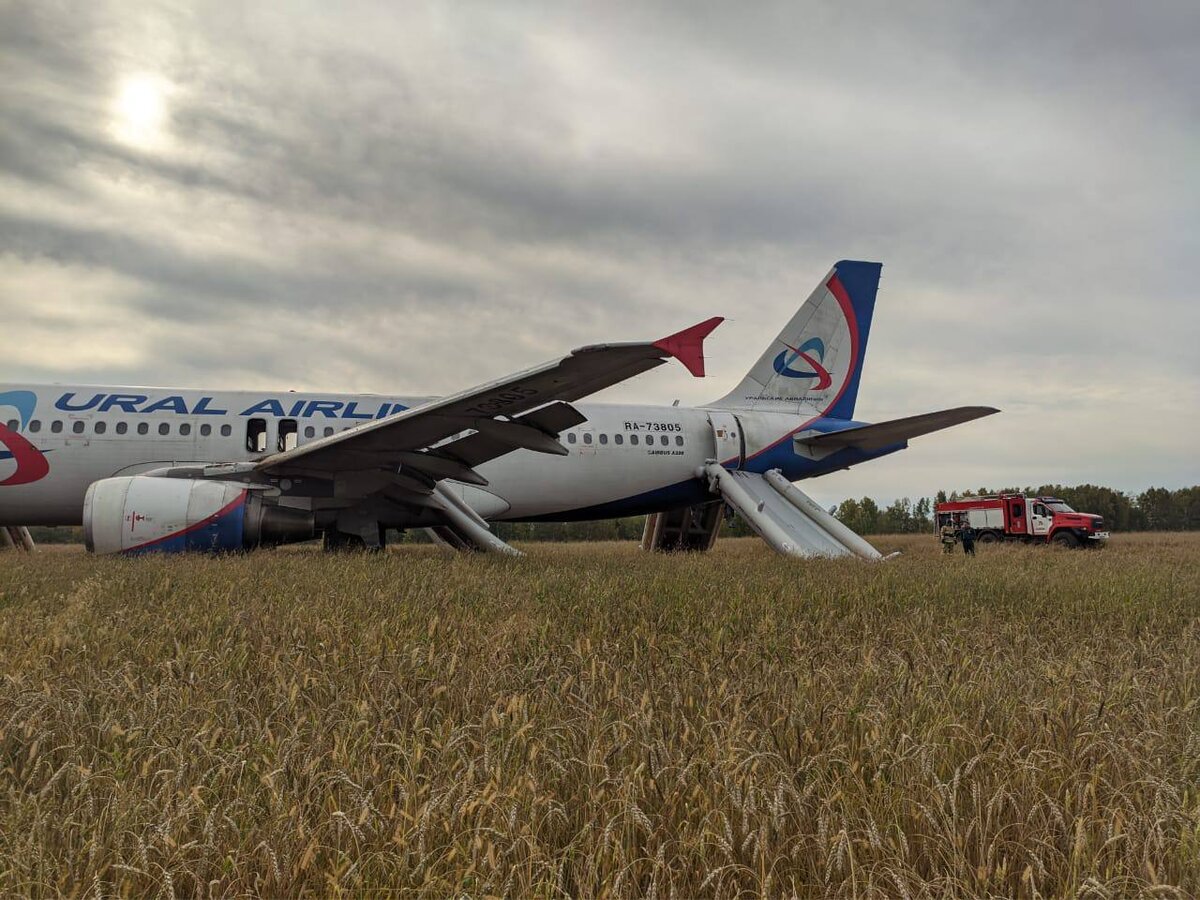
x: 413, y: 198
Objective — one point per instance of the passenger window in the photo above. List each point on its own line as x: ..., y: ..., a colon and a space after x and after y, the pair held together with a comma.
x: 164, y: 428
x: 122, y: 427
x: 77, y: 427
x: 13, y: 424
x: 226, y: 430
x: 256, y: 435
x: 328, y: 431
x: 185, y: 429
x: 571, y: 438
x: 310, y: 432
x: 35, y: 426
x: 679, y: 440
x: 604, y: 438
x: 143, y: 428
x: 289, y: 432
x: 618, y: 439
x: 101, y: 427
x: 205, y: 430
x: 633, y: 439
x: 587, y: 437
x: 56, y: 426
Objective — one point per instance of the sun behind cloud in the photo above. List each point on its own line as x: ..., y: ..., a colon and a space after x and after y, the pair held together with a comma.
x: 140, y: 113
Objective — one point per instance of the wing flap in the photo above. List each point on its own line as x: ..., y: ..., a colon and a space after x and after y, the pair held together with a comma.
x: 479, y: 447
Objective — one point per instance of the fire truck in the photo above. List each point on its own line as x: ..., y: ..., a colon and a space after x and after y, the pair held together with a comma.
x: 1015, y: 517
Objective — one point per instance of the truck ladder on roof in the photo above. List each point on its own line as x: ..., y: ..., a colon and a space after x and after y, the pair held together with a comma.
x: 785, y: 517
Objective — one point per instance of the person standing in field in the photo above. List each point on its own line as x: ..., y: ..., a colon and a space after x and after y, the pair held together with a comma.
x: 947, y: 537
x: 967, y: 536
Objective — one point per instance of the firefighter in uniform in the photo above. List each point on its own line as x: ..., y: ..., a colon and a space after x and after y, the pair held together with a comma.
x: 967, y: 536
x: 948, y: 538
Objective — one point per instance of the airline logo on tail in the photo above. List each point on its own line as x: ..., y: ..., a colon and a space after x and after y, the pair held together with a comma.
x: 815, y: 363
x: 31, y: 464
x: 783, y: 362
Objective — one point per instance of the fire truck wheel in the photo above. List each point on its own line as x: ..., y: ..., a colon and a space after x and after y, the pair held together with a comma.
x: 1065, y: 539
x: 987, y: 537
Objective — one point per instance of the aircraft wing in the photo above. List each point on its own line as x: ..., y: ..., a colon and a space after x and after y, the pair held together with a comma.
x: 875, y: 437
x: 447, y: 438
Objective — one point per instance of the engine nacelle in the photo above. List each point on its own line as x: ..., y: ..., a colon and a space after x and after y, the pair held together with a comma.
x: 141, y: 514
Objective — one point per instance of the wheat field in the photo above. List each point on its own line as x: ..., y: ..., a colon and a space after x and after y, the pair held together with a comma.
x: 592, y: 721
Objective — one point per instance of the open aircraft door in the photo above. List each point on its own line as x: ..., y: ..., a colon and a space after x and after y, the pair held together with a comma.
x: 730, y: 450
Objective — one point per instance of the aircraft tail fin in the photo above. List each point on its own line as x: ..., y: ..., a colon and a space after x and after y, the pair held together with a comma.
x: 816, y: 361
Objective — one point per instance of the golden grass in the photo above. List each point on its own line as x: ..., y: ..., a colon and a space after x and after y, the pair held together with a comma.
x: 594, y: 721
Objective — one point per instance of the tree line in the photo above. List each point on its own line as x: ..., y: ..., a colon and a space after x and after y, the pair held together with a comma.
x: 1154, y: 509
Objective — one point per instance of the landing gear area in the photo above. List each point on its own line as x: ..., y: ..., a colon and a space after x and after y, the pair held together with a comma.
x: 465, y: 528
x: 16, y: 537
x: 694, y: 528
x: 334, y: 541
x: 463, y: 531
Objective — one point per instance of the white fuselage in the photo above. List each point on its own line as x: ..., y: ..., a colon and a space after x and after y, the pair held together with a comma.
x: 624, y: 460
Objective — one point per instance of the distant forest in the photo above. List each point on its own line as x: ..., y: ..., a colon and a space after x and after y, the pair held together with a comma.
x: 1156, y: 509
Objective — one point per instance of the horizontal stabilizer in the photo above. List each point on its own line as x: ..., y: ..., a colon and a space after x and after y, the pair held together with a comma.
x: 883, y: 434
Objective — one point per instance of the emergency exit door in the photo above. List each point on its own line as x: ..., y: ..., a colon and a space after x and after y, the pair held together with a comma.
x: 729, y: 442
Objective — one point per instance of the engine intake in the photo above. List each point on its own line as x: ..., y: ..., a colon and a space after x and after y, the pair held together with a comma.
x: 141, y: 514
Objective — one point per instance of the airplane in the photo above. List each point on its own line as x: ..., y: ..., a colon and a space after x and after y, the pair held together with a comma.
x: 164, y: 470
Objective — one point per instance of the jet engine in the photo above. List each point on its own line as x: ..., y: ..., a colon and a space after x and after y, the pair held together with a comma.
x: 143, y: 514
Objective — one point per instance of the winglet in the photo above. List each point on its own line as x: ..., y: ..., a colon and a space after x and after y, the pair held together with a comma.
x: 687, y: 346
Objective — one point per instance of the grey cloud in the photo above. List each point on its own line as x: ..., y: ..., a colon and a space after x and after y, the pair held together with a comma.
x: 378, y: 189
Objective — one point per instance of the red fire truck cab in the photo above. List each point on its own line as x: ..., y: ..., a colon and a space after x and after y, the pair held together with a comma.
x: 1015, y: 517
